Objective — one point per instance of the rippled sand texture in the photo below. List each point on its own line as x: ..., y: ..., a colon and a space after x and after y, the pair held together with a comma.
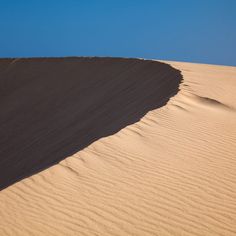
x: 170, y: 170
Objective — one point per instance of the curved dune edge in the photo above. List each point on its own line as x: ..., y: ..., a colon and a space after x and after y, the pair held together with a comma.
x: 54, y: 107
x: 171, y: 173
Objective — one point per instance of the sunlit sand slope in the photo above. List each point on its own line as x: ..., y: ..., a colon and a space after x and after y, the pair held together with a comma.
x: 171, y: 173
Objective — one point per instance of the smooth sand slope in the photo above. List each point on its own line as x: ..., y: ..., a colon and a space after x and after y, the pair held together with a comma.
x: 117, y: 147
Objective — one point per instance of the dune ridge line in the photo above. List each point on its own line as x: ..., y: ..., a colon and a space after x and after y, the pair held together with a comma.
x: 54, y: 107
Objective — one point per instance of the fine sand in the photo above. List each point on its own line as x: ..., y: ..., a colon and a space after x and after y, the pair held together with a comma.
x: 112, y: 146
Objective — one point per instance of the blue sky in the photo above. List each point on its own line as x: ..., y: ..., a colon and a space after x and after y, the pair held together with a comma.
x: 183, y: 30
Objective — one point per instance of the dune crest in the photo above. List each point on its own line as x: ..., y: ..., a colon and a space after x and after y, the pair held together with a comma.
x: 170, y: 171
x: 53, y: 107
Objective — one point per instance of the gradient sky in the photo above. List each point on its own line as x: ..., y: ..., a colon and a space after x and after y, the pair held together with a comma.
x: 182, y: 30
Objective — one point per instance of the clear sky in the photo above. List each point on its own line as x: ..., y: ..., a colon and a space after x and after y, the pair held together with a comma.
x: 183, y: 30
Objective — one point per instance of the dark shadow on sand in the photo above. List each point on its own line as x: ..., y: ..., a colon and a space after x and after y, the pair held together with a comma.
x: 51, y: 108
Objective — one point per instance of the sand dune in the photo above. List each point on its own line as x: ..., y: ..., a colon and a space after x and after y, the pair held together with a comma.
x: 102, y: 146
x: 52, y: 108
